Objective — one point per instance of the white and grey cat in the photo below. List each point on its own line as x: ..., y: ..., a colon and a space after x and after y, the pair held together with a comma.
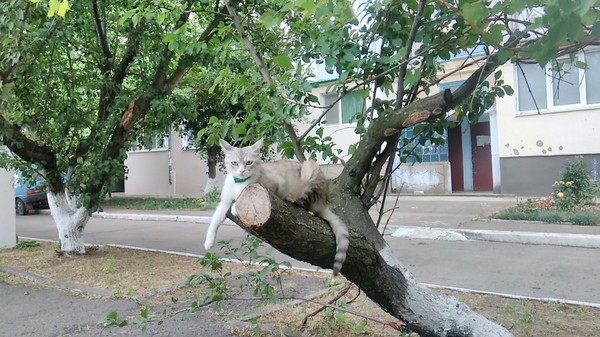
x: 303, y: 184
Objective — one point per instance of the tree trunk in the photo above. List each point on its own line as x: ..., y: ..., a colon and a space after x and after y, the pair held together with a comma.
x: 370, y: 262
x: 211, y: 163
x: 70, y: 221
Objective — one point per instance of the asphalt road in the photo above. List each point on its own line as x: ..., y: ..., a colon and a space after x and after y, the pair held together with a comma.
x: 565, y: 273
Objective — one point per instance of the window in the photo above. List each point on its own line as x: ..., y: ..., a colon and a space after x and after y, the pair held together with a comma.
x: 188, y: 140
x: 560, y: 85
x: 478, y: 50
x: 158, y: 142
x: 592, y: 78
x: 428, y: 152
x: 345, y: 110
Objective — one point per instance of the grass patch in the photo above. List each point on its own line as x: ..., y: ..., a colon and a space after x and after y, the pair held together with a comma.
x: 584, y: 218
x: 161, y: 203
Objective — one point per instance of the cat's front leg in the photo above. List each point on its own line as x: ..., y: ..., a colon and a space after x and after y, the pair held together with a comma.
x: 233, y: 210
x: 216, y: 221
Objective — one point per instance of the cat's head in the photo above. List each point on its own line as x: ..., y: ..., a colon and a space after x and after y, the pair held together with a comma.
x: 242, y: 162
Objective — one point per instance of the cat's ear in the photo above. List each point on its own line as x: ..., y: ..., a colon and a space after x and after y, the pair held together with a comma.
x: 225, y: 146
x: 256, y: 146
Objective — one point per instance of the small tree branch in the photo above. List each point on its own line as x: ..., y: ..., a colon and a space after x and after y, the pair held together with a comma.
x: 411, y: 40
x: 298, y: 151
x: 339, y: 295
x: 380, y: 160
x: 101, y: 37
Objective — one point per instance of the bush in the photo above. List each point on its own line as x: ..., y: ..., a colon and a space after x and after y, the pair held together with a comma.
x: 576, y: 189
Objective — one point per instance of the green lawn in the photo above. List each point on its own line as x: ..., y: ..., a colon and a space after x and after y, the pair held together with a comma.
x: 582, y: 217
x: 161, y: 203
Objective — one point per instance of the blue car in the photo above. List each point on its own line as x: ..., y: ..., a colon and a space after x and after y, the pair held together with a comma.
x: 29, y: 197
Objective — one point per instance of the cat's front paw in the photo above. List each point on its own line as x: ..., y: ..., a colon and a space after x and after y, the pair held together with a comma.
x: 209, y: 242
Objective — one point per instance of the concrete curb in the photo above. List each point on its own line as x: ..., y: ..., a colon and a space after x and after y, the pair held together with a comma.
x: 533, y: 238
x: 158, y: 217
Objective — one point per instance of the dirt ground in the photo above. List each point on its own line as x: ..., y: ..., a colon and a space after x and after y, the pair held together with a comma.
x: 156, y: 279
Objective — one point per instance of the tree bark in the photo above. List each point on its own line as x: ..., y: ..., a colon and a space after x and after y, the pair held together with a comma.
x: 370, y: 262
x: 70, y: 221
x: 211, y: 163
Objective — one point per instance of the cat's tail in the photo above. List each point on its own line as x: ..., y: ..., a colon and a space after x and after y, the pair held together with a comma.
x: 342, y: 238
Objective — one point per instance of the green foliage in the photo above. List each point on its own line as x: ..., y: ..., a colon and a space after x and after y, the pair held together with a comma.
x: 262, y: 278
x: 567, y: 203
x: 27, y: 244
x: 525, y: 320
x: 109, y: 265
x: 577, y: 188
x: 207, y: 202
x: 585, y: 219
x: 81, y: 82
x: 74, y: 95
x: 578, y: 217
x: 112, y: 321
x: 212, y: 197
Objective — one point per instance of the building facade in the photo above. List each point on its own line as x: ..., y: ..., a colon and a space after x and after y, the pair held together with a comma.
x: 519, y: 146
x: 166, y: 167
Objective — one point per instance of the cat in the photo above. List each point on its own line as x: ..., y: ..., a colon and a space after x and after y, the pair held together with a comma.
x: 300, y: 183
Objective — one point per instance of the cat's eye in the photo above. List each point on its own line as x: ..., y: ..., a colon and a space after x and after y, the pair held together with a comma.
x: 234, y: 163
x: 248, y: 163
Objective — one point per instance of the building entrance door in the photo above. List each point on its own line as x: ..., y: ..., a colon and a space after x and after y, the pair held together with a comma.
x: 482, y: 157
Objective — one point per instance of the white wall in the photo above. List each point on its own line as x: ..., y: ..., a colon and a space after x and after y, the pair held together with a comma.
x: 149, y: 172
x: 575, y: 131
x: 8, y: 229
x: 343, y: 135
x: 423, y: 177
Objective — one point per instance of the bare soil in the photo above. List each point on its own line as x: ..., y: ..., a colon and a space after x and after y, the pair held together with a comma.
x: 156, y: 278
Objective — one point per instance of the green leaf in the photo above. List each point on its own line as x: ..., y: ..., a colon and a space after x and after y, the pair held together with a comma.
x: 63, y: 8
x: 240, y: 129
x: 271, y: 18
x: 128, y: 15
x: 283, y: 61
x: 53, y: 6
x: 474, y: 11
x: 169, y: 37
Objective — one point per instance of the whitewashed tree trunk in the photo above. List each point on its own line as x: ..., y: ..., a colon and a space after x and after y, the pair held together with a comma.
x: 211, y: 185
x: 70, y: 221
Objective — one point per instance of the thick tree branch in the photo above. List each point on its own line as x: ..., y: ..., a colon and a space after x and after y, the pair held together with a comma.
x: 425, y: 109
x: 162, y: 84
x: 101, y: 36
x: 30, y: 151
x: 370, y: 264
x: 298, y: 151
x: 23, y: 146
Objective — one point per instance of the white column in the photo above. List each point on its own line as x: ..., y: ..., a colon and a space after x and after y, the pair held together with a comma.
x: 8, y: 227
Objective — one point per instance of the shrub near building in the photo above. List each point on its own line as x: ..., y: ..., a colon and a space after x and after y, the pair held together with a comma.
x: 576, y: 189
x: 568, y: 203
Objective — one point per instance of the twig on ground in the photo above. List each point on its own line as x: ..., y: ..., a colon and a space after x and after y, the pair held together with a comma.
x: 342, y: 292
